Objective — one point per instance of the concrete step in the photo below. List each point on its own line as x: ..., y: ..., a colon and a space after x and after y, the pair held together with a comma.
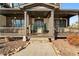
x: 39, y: 40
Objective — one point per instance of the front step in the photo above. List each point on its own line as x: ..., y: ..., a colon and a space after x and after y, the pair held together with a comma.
x: 39, y: 40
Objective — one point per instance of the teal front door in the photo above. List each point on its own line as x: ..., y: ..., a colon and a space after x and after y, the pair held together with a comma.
x: 39, y: 25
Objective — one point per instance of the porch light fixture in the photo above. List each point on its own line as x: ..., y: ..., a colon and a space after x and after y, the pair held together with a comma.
x: 61, y: 18
x: 38, y: 17
x: 14, y: 17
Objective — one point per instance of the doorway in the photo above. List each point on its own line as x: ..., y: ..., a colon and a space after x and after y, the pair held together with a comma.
x: 38, y: 25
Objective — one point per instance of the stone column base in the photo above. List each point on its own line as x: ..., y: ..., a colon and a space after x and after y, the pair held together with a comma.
x: 6, y: 39
x: 24, y: 38
x: 51, y: 37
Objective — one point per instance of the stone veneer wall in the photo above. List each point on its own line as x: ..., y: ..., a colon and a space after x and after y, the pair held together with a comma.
x: 51, y: 25
x: 2, y: 20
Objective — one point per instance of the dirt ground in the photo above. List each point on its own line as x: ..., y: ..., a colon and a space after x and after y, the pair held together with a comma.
x: 65, y: 48
x: 8, y: 47
x: 62, y: 46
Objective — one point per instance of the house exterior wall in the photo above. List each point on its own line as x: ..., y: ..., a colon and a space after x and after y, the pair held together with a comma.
x: 2, y: 20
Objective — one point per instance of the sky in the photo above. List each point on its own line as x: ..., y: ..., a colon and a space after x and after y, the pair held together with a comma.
x: 71, y: 6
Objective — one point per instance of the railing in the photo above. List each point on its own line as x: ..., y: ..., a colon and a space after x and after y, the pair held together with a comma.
x: 64, y: 29
x: 16, y: 31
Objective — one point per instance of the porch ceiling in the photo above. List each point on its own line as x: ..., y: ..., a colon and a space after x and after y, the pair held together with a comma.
x: 65, y: 13
x: 36, y: 14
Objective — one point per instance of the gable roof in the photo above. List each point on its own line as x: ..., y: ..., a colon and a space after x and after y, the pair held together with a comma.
x: 30, y: 5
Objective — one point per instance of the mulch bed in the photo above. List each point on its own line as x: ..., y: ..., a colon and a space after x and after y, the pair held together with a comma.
x: 11, y: 46
x: 73, y: 39
x: 65, y: 48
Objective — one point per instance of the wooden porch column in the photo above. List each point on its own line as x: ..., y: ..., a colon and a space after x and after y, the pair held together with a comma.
x: 25, y: 18
x: 51, y: 26
x: 68, y: 21
x: 25, y: 26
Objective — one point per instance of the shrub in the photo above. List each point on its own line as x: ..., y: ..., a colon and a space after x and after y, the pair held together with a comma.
x: 73, y: 39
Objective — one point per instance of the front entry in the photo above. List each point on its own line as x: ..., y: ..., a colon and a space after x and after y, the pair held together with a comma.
x: 39, y: 24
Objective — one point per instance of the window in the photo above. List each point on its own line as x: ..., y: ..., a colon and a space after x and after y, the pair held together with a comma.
x: 17, y: 23
x: 62, y: 23
x: 15, y: 5
x: 4, y: 5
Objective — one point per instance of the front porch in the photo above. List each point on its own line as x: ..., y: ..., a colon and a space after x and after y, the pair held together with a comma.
x: 37, y: 20
x: 32, y: 23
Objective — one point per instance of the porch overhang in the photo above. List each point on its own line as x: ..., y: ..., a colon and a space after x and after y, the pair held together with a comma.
x: 58, y: 13
x: 65, y: 13
x: 11, y: 11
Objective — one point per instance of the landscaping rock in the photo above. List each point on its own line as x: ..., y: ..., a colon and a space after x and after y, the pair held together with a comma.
x: 11, y: 47
x: 73, y: 39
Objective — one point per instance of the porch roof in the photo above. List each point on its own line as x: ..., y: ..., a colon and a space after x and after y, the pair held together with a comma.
x: 66, y: 13
x: 58, y: 13
x: 11, y: 11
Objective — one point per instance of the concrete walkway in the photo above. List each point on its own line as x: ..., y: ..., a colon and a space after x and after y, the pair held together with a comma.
x: 37, y: 48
